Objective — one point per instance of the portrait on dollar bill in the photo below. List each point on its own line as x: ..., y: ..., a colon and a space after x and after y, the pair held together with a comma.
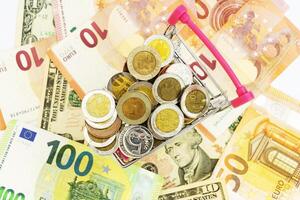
x: 185, y: 159
x: 193, y: 162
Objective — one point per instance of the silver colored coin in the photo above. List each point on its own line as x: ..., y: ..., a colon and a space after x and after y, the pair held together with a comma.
x: 137, y: 141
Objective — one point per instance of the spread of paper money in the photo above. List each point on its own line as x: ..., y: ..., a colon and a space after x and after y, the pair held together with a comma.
x: 126, y: 100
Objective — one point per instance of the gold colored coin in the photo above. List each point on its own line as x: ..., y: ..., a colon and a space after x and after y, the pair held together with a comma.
x: 163, y: 46
x: 167, y: 120
x: 169, y: 89
x: 146, y: 88
x: 120, y: 83
x: 134, y: 108
x: 98, y: 105
x: 144, y: 63
x: 195, y: 101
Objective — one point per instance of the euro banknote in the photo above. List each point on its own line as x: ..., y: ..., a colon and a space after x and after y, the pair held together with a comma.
x: 60, y: 111
x: 261, y: 159
x: 23, y: 75
x: 51, y: 167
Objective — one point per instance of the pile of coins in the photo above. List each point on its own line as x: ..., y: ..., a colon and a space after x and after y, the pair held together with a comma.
x: 102, y: 121
x: 144, y: 104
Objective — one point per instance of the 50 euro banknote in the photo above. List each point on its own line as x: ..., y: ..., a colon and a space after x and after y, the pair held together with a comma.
x: 51, y: 167
x: 261, y: 161
x: 23, y: 74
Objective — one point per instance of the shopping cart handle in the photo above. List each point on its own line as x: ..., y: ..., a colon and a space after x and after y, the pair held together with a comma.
x: 181, y: 14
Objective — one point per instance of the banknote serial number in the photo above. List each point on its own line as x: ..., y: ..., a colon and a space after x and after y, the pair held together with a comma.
x: 10, y: 194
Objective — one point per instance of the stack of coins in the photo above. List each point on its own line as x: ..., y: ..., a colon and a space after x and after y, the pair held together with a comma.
x: 146, y: 105
x: 102, y: 121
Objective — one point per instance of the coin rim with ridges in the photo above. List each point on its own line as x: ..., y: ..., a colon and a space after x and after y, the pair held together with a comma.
x: 155, y: 135
x: 181, y: 120
x: 146, y: 129
x: 123, y: 148
x: 102, y: 133
x: 128, y: 95
x: 104, y: 124
x: 100, y: 119
x: 109, y: 152
x: 162, y: 37
x: 156, y: 83
x: 130, y: 63
x: 183, y: 98
x: 90, y: 141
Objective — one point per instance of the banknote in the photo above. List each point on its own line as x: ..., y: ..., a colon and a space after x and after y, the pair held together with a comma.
x: 255, y: 68
x: 35, y: 21
x: 61, y: 111
x: 188, y: 158
x: 70, y: 13
x: 51, y: 167
x: 23, y: 74
x: 261, y: 159
x: 102, y: 44
x: 259, y: 42
x: 212, y: 189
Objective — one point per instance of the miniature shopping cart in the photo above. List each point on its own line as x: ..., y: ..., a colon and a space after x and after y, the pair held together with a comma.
x: 218, y: 98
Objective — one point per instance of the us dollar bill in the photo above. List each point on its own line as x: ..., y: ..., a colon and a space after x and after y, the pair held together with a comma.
x: 35, y: 21
x: 213, y: 189
x: 61, y: 111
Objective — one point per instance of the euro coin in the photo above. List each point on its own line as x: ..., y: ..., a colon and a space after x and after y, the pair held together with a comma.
x: 194, y: 101
x: 167, y: 88
x: 120, y: 83
x: 163, y: 46
x: 98, y: 105
x: 144, y: 63
x: 134, y: 107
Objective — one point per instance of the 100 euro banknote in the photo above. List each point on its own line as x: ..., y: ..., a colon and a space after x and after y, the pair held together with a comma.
x: 51, y: 167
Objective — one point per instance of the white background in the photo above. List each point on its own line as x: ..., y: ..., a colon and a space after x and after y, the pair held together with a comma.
x: 289, y: 81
